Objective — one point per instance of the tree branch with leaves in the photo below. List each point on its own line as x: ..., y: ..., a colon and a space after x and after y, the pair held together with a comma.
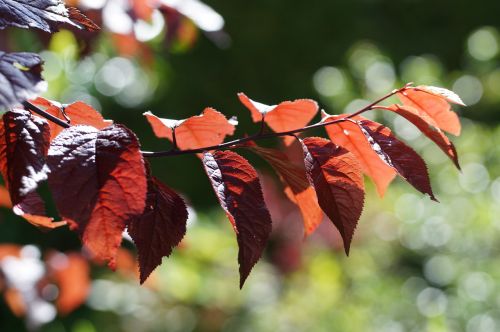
x: 102, y: 185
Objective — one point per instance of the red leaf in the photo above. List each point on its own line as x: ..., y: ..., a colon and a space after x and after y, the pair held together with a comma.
x: 71, y: 273
x: 160, y: 228
x: 209, y: 128
x: 434, y: 104
x: 41, y: 14
x: 288, y: 115
x: 32, y: 208
x: 350, y: 136
x: 79, y: 113
x: 98, y: 181
x: 24, y: 140
x: 409, y: 165
x: 238, y: 189
x: 437, y: 136
x: 336, y: 175
x: 298, y: 187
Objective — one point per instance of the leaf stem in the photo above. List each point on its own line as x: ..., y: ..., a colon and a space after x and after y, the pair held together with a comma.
x: 259, y: 136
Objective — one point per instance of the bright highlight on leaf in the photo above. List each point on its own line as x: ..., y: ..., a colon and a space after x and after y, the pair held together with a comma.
x: 209, y: 128
x: 288, y: 115
x: 238, y: 189
x: 337, y: 177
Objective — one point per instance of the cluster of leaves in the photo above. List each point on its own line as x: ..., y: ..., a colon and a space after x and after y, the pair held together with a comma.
x: 102, y: 185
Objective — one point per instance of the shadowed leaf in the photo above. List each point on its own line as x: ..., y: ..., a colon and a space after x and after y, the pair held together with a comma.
x: 336, y: 175
x: 24, y: 141
x: 409, y: 165
x: 98, y: 181
x: 20, y: 78
x: 238, y: 189
x: 160, y: 228
x: 45, y: 15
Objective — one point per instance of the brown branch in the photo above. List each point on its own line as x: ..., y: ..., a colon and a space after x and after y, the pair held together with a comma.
x: 230, y: 144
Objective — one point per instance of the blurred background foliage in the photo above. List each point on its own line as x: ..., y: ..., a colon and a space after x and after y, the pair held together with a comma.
x: 415, y: 265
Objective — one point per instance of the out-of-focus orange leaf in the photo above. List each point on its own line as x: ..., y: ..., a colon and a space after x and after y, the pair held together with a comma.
x: 350, y: 136
x: 142, y: 9
x: 128, y: 46
x: 209, y: 128
x: 71, y: 273
x: 15, y: 301
x: 288, y: 115
x: 9, y: 250
x: 435, y: 104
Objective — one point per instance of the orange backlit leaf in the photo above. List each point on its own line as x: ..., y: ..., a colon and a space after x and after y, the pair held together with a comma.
x: 433, y: 133
x: 79, y: 113
x: 434, y: 102
x: 209, y: 128
x: 288, y: 115
x: 350, y: 136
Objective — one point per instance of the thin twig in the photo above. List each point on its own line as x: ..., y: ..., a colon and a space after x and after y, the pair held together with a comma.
x: 48, y: 116
x: 259, y: 136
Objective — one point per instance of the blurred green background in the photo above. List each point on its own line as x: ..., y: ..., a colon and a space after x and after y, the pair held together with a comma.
x: 415, y: 265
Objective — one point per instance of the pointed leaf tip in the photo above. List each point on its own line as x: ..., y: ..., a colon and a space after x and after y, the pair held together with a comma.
x: 337, y: 177
x: 160, y: 228
x: 238, y: 189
